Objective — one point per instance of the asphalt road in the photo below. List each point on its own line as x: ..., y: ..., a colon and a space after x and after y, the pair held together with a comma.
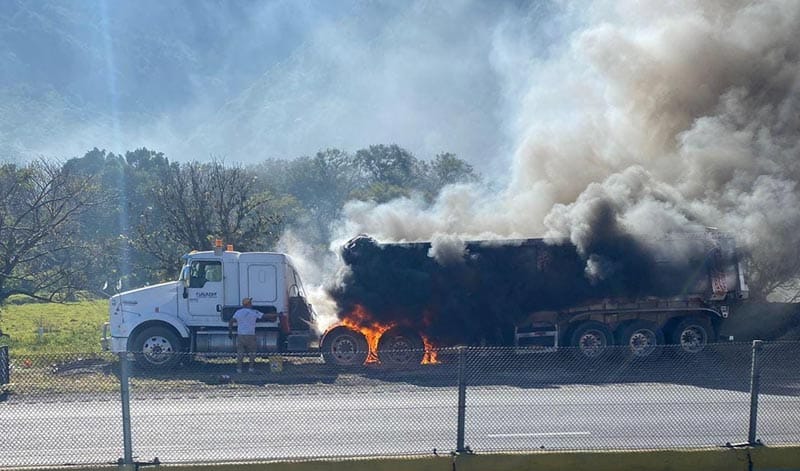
x: 352, y: 416
x: 513, y: 403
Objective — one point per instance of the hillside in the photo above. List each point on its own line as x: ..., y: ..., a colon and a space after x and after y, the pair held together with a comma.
x: 251, y: 81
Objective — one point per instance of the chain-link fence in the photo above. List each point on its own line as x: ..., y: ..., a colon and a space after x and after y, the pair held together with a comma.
x: 73, y: 408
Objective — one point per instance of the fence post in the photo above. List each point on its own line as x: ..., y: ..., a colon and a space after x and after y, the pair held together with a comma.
x: 462, y: 398
x: 755, y: 384
x: 5, y: 362
x: 127, y: 460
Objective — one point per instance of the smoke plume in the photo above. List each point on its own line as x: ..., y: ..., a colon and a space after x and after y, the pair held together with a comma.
x: 653, y: 118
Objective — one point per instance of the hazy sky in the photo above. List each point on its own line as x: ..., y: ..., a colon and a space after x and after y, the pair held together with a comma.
x: 279, y: 78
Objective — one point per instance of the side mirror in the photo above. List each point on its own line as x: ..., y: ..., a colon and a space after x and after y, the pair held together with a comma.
x: 185, y: 275
x: 185, y: 292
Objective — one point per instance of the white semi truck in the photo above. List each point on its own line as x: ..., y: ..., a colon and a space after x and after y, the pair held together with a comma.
x: 162, y: 323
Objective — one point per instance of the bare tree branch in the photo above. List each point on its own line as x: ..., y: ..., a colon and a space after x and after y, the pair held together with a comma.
x: 37, y: 225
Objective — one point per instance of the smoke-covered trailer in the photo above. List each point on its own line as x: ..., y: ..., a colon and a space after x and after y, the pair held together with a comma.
x: 533, y: 294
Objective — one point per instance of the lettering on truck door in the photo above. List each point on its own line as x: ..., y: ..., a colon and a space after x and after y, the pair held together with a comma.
x: 205, y: 291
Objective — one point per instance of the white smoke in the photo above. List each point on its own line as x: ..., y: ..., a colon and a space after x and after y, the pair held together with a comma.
x: 447, y: 249
x: 313, y: 270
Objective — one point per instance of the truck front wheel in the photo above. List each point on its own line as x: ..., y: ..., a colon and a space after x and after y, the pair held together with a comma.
x: 156, y: 348
x: 591, y: 340
x: 344, y: 347
x: 400, y: 347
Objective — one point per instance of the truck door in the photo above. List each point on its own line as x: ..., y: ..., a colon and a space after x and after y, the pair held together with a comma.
x: 262, y: 283
x: 205, y: 291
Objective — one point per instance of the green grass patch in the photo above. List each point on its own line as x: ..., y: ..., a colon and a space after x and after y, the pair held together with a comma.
x: 52, y: 327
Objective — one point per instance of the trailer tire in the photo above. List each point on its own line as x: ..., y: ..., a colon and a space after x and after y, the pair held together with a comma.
x: 400, y: 347
x: 344, y: 347
x: 691, y: 335
x: 156, y: 348
x: 591, y: 340
x: 642, y: 340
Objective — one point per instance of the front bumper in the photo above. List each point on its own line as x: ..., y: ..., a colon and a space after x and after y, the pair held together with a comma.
x: 113, y: 344
x: 105, y: 340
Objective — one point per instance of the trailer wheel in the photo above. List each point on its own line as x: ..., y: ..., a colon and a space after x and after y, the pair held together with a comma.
x: 156, y: 348
x: 692, y: 334
x: 400, y: 347
x: 344, y: 347
x: 641, y: 339
x: 591, y: 340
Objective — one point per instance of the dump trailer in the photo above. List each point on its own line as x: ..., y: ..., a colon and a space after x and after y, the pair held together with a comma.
x: 162, y: 324
x: 535, y: 295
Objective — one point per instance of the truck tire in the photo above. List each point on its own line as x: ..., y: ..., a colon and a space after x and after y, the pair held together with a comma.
x: 344, y: 347
x: 642, y: 340
x: 400, y: 347
x: 692, y: 334
x: 156, y: 348
x: 591, y: 340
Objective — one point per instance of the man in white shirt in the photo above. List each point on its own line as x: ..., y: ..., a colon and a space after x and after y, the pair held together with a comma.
x: 245, y: 319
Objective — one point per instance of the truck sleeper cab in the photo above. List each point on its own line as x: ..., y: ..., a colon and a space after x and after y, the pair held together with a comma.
x: 162, y: 323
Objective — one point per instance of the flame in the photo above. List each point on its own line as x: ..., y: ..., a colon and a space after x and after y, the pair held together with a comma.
x: 360, y: 320
x: 430, y: 357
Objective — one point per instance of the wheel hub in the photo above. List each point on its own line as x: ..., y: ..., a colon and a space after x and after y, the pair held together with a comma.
x: 399, y: 351
x: 157, y: 349
x: 591, y: 343
x: 642, y: 342
x: 692, y: 340
x: 344, y: 350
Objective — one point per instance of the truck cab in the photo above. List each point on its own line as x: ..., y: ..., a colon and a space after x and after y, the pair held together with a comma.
x: 163, y: 322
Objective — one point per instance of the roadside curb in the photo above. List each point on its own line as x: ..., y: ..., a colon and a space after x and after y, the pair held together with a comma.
x: 739, y: 459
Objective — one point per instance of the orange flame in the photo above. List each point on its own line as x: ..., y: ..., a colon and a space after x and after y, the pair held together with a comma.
x: 360, y: 320
x: 430, y: 356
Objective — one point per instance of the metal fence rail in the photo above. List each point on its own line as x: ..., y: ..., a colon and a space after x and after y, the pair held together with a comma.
x: 75, y: 409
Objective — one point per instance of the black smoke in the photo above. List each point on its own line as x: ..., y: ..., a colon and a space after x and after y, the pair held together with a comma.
x: 479, y: 297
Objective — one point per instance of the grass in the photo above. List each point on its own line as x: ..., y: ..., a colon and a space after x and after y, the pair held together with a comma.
x: 51, y: 328
x: 55, y: 350
x: 41, y: 336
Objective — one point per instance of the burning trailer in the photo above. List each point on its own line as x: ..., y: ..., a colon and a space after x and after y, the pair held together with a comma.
x: 399, y: 302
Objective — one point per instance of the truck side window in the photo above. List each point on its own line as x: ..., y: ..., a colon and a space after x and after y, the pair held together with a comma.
x: 297, y: 288
x: 204, y: 271
x: 214, y: 272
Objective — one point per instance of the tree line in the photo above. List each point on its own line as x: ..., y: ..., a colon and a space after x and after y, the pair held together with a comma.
x: 89, y: 223
x: 104, y: 220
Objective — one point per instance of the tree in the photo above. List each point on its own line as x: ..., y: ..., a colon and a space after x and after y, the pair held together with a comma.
x: 39, y: 206
x: 388, y: 172
x: 322, y: 184
x: 447, y: 169
x: 197, y: 202
x: 388, y: 164
x: 127, y: 185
